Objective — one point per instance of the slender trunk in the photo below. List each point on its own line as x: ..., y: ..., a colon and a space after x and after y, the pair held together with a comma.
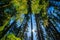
x: 31, y: 29
x: 39, y: 31
x: 30, y: 12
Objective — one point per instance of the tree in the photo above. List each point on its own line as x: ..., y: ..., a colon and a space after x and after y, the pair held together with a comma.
x: 47, y: 13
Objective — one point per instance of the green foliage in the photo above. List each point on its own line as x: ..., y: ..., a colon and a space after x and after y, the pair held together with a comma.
x: 10, y: 37
x: 5, y: 21
x: 36, y: 7
x: 20, y: 5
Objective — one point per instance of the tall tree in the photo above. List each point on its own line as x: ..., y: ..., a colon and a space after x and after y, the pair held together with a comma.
x: 30, y: 13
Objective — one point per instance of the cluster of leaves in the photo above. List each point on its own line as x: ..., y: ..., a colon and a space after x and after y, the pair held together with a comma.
x: 20, y: 5
x: 44, y: 13
x: 35, y: 6
x: 21, y: 8
x: 10, y: 37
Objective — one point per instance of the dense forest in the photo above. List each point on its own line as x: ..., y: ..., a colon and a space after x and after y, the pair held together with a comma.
x: 29, y: 19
